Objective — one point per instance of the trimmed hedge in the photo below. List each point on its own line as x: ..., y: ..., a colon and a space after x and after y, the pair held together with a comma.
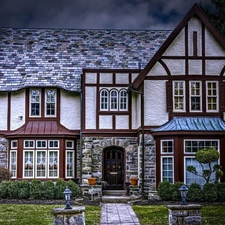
x: 211, y: 192
x: 37, y: 189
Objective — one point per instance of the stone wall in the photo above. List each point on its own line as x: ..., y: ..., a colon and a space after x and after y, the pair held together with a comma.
x: 3, y: 152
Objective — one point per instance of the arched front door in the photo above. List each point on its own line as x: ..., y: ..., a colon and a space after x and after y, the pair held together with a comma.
x: 114, y: 168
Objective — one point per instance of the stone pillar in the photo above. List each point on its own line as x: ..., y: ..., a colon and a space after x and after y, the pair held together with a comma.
x: 184, y: 214
x: 74, y: 216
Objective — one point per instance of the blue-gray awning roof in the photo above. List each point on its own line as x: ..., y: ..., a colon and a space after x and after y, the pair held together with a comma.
x: 193, y: 124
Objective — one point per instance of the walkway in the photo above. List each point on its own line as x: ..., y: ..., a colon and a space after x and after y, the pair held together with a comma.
x: 118, y: 214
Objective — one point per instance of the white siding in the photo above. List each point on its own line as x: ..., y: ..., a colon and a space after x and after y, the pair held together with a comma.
x: 176, y: 67
x: 90, y: 107
x: 122, y: 78
x: 91, y: 78
x: 195, y: 67
x: 214, y: 67
x: 105, y: 122
x: 3, y: 111
x: 122, y: 122
x: 70, y: 110
x: 106, y: 78
x: 157, y: 70
x: 136, y: 110
x: 17, y: 109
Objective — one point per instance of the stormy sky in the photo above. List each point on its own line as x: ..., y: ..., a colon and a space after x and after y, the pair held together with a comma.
x: 94, y: 14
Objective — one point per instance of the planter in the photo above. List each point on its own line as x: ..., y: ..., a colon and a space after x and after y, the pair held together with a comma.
x: 133, y: 180
x: 92, y: 180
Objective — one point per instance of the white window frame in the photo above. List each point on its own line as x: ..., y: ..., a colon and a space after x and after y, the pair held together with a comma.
x: 179, y: 96
x: 12, y: 146
x: 161, y: 146
x: 38, y: 102
x: 166, y: 157
x: 24, y: 152
x: 212, y: 96
x: 123, y: 100
x: 43, y: 164
x: 114, y: 100
x: 51, y: 102
x: 54, y: 169
x: 195, y: 95
x: 54, y: 146
x: 104, y: 100
x: 42, y: 141
x: 69, y: 147
x: 13, y: 161
x: 67, y: 169
x: 29, y: 141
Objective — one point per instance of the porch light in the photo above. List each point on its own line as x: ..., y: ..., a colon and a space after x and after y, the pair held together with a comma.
x: 67, y: 194
x: 183, y: 191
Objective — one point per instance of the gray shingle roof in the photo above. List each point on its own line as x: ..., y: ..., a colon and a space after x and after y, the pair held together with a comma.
x: 193, y: 124
x: 56, y: 57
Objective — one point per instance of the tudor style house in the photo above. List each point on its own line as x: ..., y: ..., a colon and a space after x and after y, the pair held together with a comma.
x: 112, y: 103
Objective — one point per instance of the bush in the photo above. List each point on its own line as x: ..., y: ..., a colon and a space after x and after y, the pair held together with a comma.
x: 36, y: 189
x: 175, y: 192
x: 195, y: 193
x: 4, y: 174
x: 49, y: 189
x: 60, y: 187
x: 220, y: 192
x: 4, y: 189
x: 14, y: 187
x: 24, y: 191
x: 164, y: 190
x: 74, y: 188
x: 210, y: 192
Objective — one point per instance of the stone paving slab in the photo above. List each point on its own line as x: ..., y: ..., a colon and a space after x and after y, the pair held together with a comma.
x: 118, y: 214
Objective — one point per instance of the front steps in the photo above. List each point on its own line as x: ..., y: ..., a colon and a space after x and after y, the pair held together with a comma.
x: 114, y: 196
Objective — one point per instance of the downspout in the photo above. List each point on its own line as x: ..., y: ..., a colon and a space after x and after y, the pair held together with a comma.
x: 81, y: 138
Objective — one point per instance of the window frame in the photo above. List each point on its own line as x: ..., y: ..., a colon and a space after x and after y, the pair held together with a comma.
x: 30, y: 103
x: 212, y: 96
x: 167, y: 157
x: 195, y: 96
x: 179, y: 96
x: 123, y: 100
x: 46, y: 102
x: 73, y: 163
x: 29, y: 147
x: 24, y: 163
x: 45, y: 164
x: 15, y: 170
x: 161, y: 146
x: 113, y: 99
x: 57, y: 170
x: 106, y: 98
x: 53, y: 147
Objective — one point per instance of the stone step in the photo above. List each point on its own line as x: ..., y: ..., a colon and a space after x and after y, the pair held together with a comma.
x: 115, y: 199
x: 114, y: 193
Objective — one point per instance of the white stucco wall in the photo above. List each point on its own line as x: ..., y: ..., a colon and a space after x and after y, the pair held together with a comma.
x: 195, y: 67
x: 136, y: 110
x: 214, y: 67
x: 3, y: 111
x: 17, y: 109
x: 176, y: 67
x: 122, y: 122
x: 106, y: 78
x: 105, y: 122
x: 70, y: 110
x: 90, y: 78
x: 155, y: 102
x: 157, y: 70
x: 90, y: 107
x: 122, y: 78
x: 134, y: 75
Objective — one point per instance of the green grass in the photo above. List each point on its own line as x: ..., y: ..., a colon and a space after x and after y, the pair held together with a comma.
x: 158, y: 214
x: 11, y: 214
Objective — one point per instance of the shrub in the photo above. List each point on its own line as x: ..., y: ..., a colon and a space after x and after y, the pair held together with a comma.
x: 164, y: 190
x: 175, y: 192
x: 195, y: 193
x: 4, y: 189
x: 4, y: 174
x: 14, y: 187
x: 24, y: 191
x: 49, y: 189
x: 74, y: 188
x: 60, y: 186
x: 220, y: 192
x: 36, y: 189
x: 210, y: 193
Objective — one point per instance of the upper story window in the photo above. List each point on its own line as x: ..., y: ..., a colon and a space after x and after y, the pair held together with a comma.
x: 195, y: 96
x: 49, y: 105
x: 113, y: 100
x: 211, y: 96
x: 178, y: 96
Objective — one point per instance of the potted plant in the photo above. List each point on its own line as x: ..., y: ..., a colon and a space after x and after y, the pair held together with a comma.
x: 133, y: 180
x: 92, y: 180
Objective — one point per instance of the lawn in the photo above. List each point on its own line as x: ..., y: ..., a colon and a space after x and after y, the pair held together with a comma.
x: 11, y: 214
x: 158, y: 215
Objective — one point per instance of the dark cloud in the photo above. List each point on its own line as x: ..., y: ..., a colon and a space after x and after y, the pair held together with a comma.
x: 94, y: 14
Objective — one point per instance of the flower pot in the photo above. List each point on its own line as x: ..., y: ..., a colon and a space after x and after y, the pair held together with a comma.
x: 133, y: 181
x: 92, y: 180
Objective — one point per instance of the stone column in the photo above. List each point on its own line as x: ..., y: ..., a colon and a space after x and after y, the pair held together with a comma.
x: 74, y: 216
x: 184, y: 214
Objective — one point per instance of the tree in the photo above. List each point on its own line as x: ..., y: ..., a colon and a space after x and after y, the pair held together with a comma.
x: 206, y: 157
x: 216, y: 14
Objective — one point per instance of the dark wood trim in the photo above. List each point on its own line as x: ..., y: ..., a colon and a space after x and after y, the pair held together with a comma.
x: 58, y: 105
x: 9, y: 111
x: 203, y: 50
x: 165, y: 67
x: 186, y: 50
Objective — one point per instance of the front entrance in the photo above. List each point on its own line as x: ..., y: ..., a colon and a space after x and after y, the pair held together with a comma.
x: 114, y: 168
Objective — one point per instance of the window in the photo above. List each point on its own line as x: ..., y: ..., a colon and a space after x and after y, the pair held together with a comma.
x: 50, y: 102
x: 29, y: 164
x: 69, y: 163
x: 167, y: 169
x: 113, y: 100
x: 178, y: 96
x: 53, y: 144
x: 35, y: 102
x: 104, y: 99
x: 123, y: 100
x: 192, y: 146
x: 167, y: 146
x: 13, y: 144
x: 195, y: 96
x: 28, y: 144
x: 41, y: 144
x: 52, y: 163
x: 69, y: 144
x: 13, y: 163
x: 41, y: 164
x: 211, y: 96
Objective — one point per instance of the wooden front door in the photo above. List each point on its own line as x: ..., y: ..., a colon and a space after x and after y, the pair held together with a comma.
x: 114, y: 168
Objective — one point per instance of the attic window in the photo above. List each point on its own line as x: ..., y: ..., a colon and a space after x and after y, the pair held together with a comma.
x: 195, y: 49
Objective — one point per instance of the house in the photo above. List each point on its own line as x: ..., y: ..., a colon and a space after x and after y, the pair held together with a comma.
x: 111, y: 103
